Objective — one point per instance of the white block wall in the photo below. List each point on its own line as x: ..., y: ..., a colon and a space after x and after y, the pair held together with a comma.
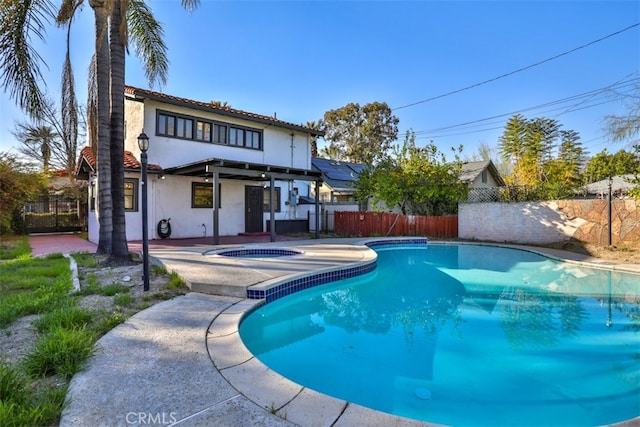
x: 527, y: 222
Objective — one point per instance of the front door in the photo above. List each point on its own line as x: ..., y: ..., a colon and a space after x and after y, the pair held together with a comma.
x: 253, y: 202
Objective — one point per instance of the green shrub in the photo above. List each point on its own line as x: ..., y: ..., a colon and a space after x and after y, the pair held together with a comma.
x: 123, y: 300
x: 12, y: 247
x: 175, y: 282
x: 109, y: 321
x: 13, y: 385
x: 66, y: 317
x: 113, y: 289
x: 60, y: 351
x: 19, y: 302
x: 85, y: 259
x: 40, y: 410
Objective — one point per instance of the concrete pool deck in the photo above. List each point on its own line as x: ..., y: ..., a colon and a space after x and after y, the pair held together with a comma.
x: 182, y: 362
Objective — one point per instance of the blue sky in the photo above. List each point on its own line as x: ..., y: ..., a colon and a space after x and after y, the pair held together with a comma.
x: 300, y: 59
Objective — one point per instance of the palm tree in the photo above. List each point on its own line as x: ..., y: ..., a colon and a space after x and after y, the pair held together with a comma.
x: 114, y: 19
x: 37, y: 142
x: 109, y: 68
x: 19, y: 61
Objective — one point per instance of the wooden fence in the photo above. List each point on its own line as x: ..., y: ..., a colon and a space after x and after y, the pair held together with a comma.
x: 366, y: 224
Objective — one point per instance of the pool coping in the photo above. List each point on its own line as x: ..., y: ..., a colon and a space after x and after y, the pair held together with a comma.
x: 299, y: 404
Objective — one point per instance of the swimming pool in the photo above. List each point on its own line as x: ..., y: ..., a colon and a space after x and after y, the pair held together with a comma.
x: 464, y: 335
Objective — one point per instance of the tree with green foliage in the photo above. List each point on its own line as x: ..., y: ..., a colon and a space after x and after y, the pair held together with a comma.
x: 416, y: 180
x: 627, y: 128
x: 543, y: 158
x: 49, y: 141
x: 486, y: 152
x: 603, y: 165
x: 19, y: 183
x: 360, y: 134
x: 37, y: 142
x: 563, y: 173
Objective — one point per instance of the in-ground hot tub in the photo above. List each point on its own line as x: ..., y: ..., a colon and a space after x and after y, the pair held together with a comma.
x: 258, y: 252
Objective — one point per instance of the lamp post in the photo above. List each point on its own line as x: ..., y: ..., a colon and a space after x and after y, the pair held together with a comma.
x: 143, y: 144
x: 609, y: 207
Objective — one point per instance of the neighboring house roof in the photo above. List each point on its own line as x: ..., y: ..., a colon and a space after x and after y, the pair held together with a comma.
x: 619, y: 184
x: 337, y: 174
x: 137, y: 93
x: 471, y: 170
x: 87, y: 163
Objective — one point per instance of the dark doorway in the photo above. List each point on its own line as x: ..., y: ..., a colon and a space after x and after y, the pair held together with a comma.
x: 253, y: 202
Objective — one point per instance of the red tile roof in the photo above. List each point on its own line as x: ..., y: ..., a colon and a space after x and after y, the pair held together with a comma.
x: 130, y: 162
x: 211, y: 107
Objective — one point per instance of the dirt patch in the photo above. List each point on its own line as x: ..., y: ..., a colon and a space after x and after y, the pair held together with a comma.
x: 19, y: 338
x: 626, y: 254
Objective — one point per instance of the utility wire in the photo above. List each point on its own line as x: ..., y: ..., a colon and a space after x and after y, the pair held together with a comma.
x: 590, y: 95
x: 516, y: 71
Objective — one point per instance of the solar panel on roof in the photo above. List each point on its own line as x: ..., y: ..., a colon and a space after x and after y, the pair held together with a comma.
x: 339, y: 175
x: 356, y: 167
x: 336, y: 170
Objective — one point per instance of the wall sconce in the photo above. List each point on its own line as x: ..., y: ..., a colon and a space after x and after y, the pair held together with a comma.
x: 263, y: 175
x: 161, y: 176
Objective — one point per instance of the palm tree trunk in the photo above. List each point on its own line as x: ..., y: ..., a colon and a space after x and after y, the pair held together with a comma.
x: 116, y: 47
x: 103, y: 158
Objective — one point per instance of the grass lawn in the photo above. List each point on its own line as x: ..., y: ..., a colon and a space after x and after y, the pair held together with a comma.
x: 33, y: 387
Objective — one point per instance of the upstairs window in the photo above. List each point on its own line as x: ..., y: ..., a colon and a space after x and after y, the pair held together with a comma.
x: 220, y: 134
x: 203, y: 131
x: 236, y: 137
x: 184, y: 128
x: 194, y: 128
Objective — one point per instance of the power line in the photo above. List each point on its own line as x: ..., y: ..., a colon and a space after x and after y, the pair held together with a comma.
x: 592, y: 96
x: 518, y: 70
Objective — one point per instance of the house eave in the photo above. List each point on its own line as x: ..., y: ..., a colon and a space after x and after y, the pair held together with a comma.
x: 142, y: 94
x: 232, y: 169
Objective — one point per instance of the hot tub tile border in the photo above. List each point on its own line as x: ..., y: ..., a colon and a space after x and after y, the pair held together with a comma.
x: 301, y: 283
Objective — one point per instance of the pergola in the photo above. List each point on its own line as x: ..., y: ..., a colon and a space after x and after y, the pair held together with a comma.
x: 217, y: 169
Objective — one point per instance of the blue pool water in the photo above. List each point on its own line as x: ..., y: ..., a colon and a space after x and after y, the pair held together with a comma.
x: 464, y: 335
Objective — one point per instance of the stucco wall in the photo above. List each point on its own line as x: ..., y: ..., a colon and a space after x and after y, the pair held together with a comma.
x: 278, y: 147
x: 551, y: 221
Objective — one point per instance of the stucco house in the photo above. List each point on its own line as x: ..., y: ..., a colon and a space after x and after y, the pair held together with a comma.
x: 337, y: 179
x: 213, y: 170
x: 483, y: 180
x: 621, y: 186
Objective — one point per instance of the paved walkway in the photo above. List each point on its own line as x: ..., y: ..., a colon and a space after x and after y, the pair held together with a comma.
x: 183, y: 363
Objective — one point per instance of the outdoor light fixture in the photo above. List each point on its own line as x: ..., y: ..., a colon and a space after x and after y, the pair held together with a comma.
x: 143, y: 144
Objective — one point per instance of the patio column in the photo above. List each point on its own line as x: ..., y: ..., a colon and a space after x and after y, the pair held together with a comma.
x: 216, y: 208
x: 317, y: 236
x: 272, y: 209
